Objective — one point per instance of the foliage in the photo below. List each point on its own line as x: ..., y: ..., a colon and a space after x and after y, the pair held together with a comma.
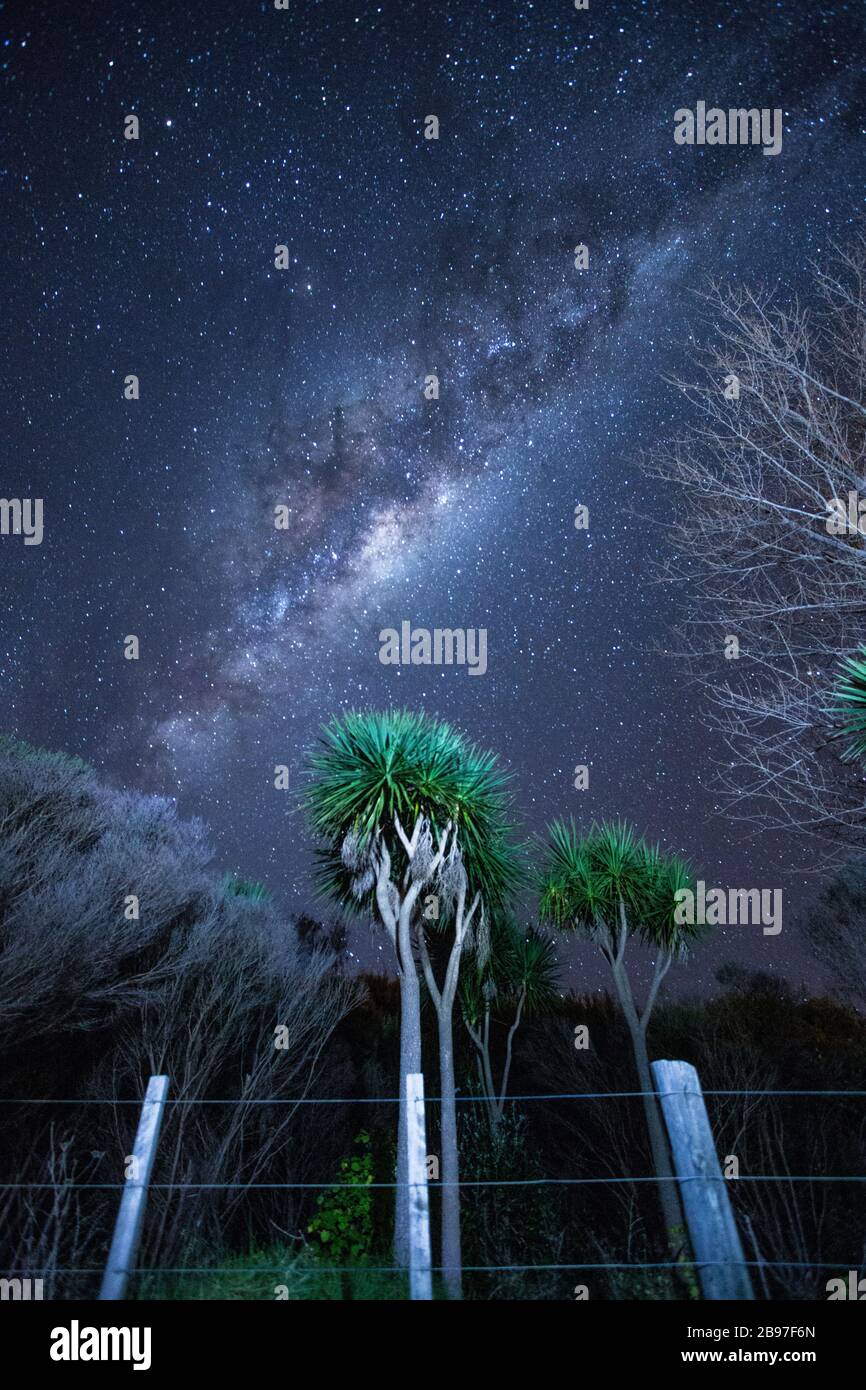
x: 267, y: 1272
x: 506, y: 1225
x: 586, y: 880
x: 519, y: 962
x: 95, y: 997
x: 532, y: 970
x: 850, y: 694
x: 372, y: 767
x: 67, y: 764
x: 91, y: 1003
x: 248, y: 888
x: 343, y: 1224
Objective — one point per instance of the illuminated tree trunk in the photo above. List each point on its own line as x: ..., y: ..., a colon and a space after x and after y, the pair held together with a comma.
x: 451, y: 1251
x: 672, y: 1211
x: 444, y: 1003
x: 397, y: 911
x: 410, y: 1063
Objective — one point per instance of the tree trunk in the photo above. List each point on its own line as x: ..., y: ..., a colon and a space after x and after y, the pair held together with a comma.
x: 397, y: 914
x: 444, y: 1003
x: 492, y: 1105
x: 451, y: 1256
x: 508, y: 1052
x: 668, y: 1196
x: 410, y: 1061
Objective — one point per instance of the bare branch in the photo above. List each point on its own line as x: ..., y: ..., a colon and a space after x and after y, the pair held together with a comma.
x: 757, y: 555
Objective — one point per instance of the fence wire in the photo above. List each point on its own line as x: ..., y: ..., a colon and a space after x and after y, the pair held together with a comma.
x: 316, y: 1270
x: 395, y: 1100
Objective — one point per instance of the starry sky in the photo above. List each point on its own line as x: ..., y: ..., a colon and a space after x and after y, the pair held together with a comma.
x: 303, y: 387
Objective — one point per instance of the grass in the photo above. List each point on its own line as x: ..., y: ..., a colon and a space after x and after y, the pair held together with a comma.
x: 276, y: 1273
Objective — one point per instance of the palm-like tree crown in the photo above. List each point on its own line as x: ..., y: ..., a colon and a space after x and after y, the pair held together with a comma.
x: 370, y: 767
x: 584, y: 881
x: 516, y: 963
x: 533, y: 970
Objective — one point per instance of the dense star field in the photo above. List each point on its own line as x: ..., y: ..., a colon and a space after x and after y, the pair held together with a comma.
x: 303, y: 387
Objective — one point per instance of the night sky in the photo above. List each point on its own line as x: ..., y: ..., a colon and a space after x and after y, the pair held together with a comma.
x: 305, y: 127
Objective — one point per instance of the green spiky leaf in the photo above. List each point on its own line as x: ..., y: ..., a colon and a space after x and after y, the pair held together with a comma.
x: 372, y: 766
x: 850, y: 704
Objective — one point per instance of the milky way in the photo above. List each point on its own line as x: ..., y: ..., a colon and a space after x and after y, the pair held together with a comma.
x: 304, y: 387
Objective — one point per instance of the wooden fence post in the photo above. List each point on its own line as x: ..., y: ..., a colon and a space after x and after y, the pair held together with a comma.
x: 710, y: 1218
x: 127, y: 1228
x: 420, y: 1282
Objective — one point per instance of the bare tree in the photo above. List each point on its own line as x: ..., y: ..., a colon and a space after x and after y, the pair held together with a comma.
x: 834, y: 923
x: 764, y: 550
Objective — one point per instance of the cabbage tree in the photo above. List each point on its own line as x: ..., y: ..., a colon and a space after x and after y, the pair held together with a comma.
x: 513, y: 980
x: 413, y: 824
x: 611, y: 886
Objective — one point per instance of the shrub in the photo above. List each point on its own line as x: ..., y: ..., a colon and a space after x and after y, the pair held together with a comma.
x: 122, y: 954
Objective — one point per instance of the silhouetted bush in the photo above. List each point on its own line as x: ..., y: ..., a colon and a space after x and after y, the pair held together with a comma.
x: 96, y: 996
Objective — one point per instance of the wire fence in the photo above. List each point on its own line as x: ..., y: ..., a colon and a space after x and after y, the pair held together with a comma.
x: 288, y: 1267
x: 395, y: 1100
x: 437, y: 1269
x: 433, y: 1182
